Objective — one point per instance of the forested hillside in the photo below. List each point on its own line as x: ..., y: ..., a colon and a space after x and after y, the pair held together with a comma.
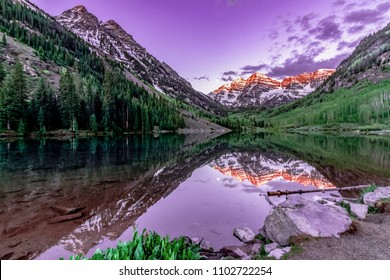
x: 91, y: 92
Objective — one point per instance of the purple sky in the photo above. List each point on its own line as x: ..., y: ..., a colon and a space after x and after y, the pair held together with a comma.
x: 210, y: 42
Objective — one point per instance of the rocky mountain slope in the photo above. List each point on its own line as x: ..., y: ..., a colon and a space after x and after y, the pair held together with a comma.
x: 370, y: 61
x: 109, y: 39
x: 261, y: 91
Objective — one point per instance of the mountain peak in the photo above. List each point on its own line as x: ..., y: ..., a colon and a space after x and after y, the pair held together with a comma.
x: 80, y: 9
x: 112, y: 24
x: 261, y: 90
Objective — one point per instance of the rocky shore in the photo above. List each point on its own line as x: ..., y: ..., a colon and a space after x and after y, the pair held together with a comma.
x: 334, y: 227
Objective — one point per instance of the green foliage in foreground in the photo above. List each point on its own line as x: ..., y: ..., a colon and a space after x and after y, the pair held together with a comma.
x: 148, y: 246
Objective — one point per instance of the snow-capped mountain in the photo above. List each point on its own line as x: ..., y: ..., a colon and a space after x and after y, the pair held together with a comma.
x: 111, y: 40
x: 262, y: 91
x: 261, y: 168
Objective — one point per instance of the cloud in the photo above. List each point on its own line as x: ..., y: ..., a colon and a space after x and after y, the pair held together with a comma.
x: 350, y: 6
x: 288, y: 25
x: 228, y: 76
x: 368, y: 16
x: 305, y: 21
x: 363, y: 17
x: 303, y: 63
x: 383, y: 7
x: 202, y: 78
x: 273, y: 35
x: 355, y: 29
x: 250, y: 69
x: 227, y: 79
x: 327, y: 29
x: 298, y: 40
x: 348, y: 45
x: 228, y: 73
x: 232, y: 2
x: 339, y: 3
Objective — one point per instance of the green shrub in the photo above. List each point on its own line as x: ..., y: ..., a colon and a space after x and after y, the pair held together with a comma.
x: 148, y: 246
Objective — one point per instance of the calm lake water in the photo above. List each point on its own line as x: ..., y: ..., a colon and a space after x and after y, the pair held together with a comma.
x: 200, y: 186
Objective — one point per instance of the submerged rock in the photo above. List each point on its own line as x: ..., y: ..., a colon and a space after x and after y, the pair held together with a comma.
x: 298, y: 216
x: 373, y: 197
x: 359, y: 210
x: 244, y: 234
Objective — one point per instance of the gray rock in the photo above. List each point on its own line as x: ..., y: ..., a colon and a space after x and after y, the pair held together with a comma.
x: 205, y: 245
x: 256, y: 248
x: 240, y: 252
x: 359, y: 210
x: 270, y: 247
x: 373, y: 197
x: 278, y: 253
x: 335, y: 195
x: 299, y: 216
x: 244, y: 234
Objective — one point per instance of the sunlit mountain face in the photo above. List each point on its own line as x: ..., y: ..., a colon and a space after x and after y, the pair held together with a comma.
x: 261, y: 168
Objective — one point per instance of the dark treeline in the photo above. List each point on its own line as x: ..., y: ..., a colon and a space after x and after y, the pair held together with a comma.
x: 95, y: 97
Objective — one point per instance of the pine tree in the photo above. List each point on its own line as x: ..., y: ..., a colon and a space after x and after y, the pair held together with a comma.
x: 14, y: 97
x: 107, y: 99
x: 4, y: 40
x: 69, y: 100
x: 3, y: 73
x: 93, y: 123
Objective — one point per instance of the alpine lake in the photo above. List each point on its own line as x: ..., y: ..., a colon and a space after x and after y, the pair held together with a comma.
x: 201, y: 185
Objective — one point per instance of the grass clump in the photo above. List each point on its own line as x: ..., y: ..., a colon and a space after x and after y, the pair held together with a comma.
x: 148, y: 246
x: 263, y: 239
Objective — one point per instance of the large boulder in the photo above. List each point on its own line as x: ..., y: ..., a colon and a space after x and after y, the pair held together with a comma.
x: 298, y: 216
x: 379, y: 194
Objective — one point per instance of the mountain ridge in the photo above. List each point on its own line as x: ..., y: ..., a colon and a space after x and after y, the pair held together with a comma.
x: 110, y: 39
x: 261, y: 90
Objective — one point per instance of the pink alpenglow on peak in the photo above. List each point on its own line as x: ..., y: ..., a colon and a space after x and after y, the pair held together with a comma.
x: 260, y: 90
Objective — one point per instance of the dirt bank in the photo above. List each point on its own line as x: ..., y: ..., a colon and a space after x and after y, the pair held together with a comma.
x: 370, y: 241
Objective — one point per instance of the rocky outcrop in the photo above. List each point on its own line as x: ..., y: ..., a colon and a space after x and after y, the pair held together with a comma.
x: 262, y: 91
x: 298, y: 216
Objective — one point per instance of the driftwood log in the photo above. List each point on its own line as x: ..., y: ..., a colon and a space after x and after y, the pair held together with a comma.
x: 280, y: 193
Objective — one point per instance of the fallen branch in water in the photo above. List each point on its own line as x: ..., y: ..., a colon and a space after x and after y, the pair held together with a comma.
x: 280, y: 193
